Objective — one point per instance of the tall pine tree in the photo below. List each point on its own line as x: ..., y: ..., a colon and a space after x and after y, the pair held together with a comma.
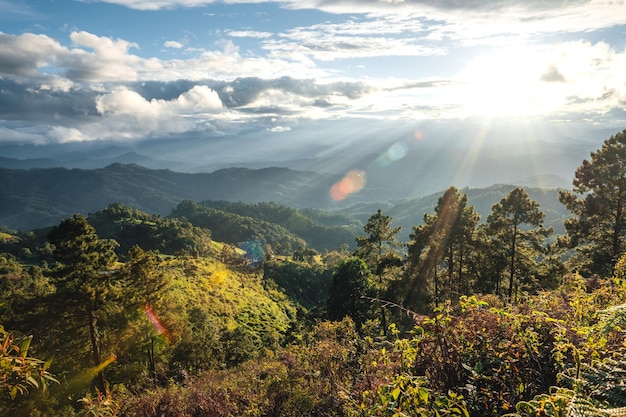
x: 444, y: 241
x: 84, y: 284
x: 379, y: 249
x: 598, y: 202
x: 516, y: 225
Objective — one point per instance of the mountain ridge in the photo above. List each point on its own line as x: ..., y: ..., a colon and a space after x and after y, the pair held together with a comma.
x: 41, y: 197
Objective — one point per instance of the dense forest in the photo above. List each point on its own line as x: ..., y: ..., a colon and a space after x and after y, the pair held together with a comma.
x: 260, y: 309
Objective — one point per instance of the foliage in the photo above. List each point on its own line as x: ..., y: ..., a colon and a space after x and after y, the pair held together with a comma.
x: 184, y: 326
x: 521, y: 246
x: 598, y: 203
x: 379, y: 249
x: 237, y: 229
x: 444, y: 240
x: 83, y: 281
x: 406, y: 395
x: 319, y: 229
x: 129, y: 228
x: 101, y: 404
x: 308, y: 285
x: 19, y: 372
x: 352, y: 281
x: 301, y: 379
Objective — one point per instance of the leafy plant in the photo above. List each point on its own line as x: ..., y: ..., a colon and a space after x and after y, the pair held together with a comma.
x: 19, y: 372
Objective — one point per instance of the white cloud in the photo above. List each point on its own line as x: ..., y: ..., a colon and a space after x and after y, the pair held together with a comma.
x: 93, y: 59
x: 521, y: 74
x: 9, y: 135
x: 479, y: 16
x: 24, y: 55
x: 249, y: 34
x: 353, y: 39
x: 126, y: 114
x: 279, y: 129
x: 61, y: 134
x: 173, y: 44
x: 109, y: 61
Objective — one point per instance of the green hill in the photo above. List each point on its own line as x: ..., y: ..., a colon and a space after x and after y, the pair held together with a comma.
x: 281, y: 227
x: 41, y: 197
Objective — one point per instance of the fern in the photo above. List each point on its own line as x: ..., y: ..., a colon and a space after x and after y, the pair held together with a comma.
x: 605, y: 380
x: 612, y: 318
x: 599, y: 392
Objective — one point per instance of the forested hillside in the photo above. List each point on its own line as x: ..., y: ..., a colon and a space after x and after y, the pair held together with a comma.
x: 129, y: 313
x: 42, y: 197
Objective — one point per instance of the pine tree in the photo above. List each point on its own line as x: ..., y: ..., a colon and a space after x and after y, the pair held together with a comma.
x: 598, y: 202
x: 446, y: 239
x: 352, y: 281
x: 379, y: 249
x: 516, y: 222
x: 83, y: 281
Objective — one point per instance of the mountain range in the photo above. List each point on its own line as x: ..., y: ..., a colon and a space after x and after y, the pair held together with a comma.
x: 41, y: 197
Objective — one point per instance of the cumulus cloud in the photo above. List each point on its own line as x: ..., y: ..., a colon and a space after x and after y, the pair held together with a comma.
x: 101, y: 87
x: 134, y: 116
x: 61, y: 134
x: 108, y: 61
x: 93, y: 59
x: 44, y: 103
x: 23, y: 55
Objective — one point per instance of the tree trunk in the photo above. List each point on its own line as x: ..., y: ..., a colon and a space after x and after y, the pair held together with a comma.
x: 152, y: 361
x: 95, y: 350
x: 462, y: 284
x: 512, y: 266
x: 436, y: 288
x: 617, y: 230
x: 451, y: 283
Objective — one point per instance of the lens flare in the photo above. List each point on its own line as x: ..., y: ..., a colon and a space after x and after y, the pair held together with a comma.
x: 352, y: 182
x: 157, y: 323
x: 395, y: 152
x: 254, y: 252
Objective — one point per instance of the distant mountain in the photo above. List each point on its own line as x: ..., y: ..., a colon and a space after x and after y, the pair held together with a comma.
x: 410, y: 212
x: 399, y: 161
x: 41, y: 197
x: 14, y: 163
x: 79, y: 160
x: 544, y: 181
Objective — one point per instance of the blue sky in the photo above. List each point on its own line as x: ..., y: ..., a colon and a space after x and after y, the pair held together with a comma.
x: 128, y: 71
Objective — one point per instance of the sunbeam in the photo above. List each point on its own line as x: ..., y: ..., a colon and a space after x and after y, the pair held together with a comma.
x: 86, y: 377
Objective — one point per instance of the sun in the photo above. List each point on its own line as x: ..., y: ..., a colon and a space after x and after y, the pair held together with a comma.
x: 507, y: 83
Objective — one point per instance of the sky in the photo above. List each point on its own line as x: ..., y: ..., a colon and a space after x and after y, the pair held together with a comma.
x: 297, y: 72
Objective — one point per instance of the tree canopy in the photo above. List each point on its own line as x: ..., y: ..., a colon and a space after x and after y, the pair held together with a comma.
x: 598, y: 203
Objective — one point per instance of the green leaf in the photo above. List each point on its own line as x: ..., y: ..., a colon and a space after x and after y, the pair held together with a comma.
x: 32, y: 381
x: 423, y: 395
x: 395, y: 394
x: 24, y: 346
